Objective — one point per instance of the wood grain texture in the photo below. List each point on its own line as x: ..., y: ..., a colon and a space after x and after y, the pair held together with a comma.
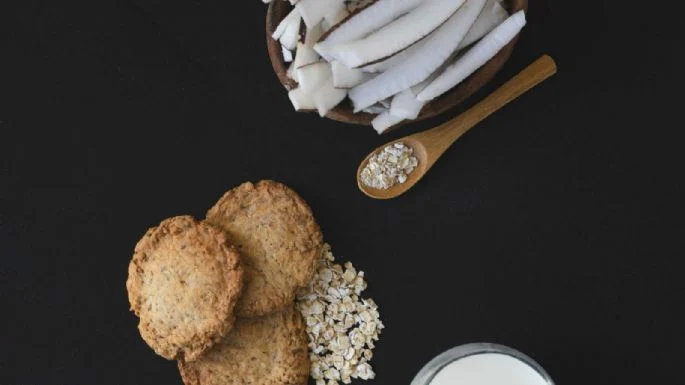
x: 343, y: 113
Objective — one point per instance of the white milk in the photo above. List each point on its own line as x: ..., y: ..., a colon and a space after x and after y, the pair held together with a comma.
x: 488, y: 369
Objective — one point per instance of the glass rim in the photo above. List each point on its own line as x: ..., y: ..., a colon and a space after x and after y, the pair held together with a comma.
x: 428, y: 371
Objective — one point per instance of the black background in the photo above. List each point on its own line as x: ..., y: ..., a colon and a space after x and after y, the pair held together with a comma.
x: 554, y: 227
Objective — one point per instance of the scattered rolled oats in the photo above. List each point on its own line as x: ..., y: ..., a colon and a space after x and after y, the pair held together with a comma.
x: 390, y: 166
x: 342, y: 327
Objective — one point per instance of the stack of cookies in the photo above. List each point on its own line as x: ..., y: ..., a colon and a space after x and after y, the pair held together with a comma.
x: 217, y: 295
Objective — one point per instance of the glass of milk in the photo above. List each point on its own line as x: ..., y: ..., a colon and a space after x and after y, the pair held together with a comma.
x: 482, y: 364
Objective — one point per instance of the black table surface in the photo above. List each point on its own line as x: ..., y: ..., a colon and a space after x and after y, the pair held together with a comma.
x: 554, y: 227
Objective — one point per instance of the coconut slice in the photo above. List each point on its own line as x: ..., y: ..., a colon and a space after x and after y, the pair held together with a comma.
x: 375, y: 109
x: 290, y: 18
x: 305, y: 51
x: 291, y: 72
x: 325, y: 26
x: 393, y: 60
x: 491, y: 16
x: 396, y: 36
x: 301, y: 100
x: 416, y: 89
x: 475, y: 57
x: 327, y: 96
x: 313, y: 35
x: 337, y: 16
x: 421, y: 64
x: 291, y: 35
x: 353, y: 6
x: 305, y: 55
x: 384, y: 121
x: 311, y: 76
x: 313, y: 11
x: 363, y: 21
x: 405, y: 105
x: 344, y: 77
x: 287, y: 55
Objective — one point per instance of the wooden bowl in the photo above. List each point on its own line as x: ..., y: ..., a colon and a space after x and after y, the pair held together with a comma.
x: 278, y: 9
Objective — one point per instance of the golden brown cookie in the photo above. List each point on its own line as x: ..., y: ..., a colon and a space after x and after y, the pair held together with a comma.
x: 269, y: 350
x: 184, y: 281
x: 279, y: 241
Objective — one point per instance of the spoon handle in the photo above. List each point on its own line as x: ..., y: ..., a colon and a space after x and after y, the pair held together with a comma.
x: 442, y: 137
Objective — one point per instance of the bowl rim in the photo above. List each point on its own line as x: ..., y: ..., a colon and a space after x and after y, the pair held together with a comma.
x: 278, y: 9
x: 439, y: 362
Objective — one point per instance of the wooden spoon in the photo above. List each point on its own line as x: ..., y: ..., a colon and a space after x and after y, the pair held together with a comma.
x: 431, y: 144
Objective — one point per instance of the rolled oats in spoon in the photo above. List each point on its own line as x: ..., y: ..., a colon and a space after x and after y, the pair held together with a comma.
x: 390, y: 166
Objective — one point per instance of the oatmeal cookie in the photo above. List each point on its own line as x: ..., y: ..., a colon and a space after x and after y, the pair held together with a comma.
x: 184, y: 281
x: 269, y: 350
x: 279, y: 241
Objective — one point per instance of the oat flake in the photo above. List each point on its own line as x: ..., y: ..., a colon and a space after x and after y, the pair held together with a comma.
x: 341, y: 326
x: 390, y: 166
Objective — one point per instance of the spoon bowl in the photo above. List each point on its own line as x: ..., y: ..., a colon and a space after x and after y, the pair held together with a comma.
x: 431, y: 144
x: 421, y: 154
